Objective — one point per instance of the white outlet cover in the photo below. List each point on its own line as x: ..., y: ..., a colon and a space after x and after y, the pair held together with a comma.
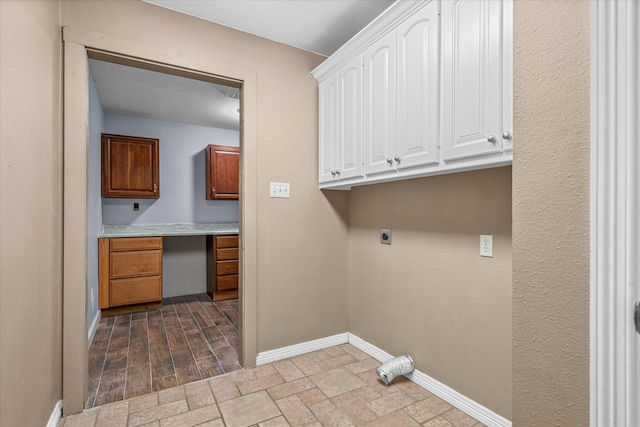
x: 486, y: 245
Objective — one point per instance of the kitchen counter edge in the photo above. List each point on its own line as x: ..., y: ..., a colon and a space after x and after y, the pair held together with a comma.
x: 165, y: 230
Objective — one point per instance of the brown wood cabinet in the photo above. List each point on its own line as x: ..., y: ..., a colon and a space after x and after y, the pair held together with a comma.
x: 130, y: 271
x: 222, y: 267
x: 130, y: 167
x: 223, y: 172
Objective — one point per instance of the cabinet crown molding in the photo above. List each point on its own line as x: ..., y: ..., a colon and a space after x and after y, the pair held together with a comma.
x: 379, y: 27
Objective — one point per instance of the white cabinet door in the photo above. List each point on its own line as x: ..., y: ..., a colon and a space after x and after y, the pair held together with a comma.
x: 328, y: 128
x: 380, y: 105
x: 350, y: 120
x: 507, y: 74
x: 418, y: 89
x: 472, y: 78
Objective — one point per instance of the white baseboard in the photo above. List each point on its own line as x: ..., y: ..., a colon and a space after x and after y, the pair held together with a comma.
x: 373, y: 351
x: 94, y: 326
x: 302, y: 348
x: 460, y: 401
x: 55, y: 415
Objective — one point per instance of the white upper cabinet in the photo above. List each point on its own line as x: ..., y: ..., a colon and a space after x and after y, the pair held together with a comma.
x: 425, y: 89
x: 507, y: 76
x: 401, y: 95
x: 418, y: 89
x: 380, y: 105
x: 328, y: 128
x: 340, y: 124
x: 473, y: 93
x: 349, y: 142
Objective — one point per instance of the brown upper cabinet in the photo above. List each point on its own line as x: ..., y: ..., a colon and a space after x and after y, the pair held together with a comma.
x: 130, y: 167
x: 223, y: 172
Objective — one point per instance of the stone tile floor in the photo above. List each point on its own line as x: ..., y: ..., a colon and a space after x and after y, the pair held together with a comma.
x: 189, y: 338
x: 337, y: 386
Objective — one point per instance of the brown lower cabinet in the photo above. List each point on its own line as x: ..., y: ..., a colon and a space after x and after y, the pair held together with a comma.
x: 222, y: 267
x: 130, y: 271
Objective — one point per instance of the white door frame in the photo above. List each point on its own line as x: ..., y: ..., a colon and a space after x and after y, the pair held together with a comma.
x: 615, y: 135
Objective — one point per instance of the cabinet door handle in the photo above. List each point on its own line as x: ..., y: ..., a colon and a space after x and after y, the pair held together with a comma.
x: 337, y: 172
x: 213, y: 191
x: 155, y: 188
x: 389, y: 160
x: 397, y: 159
x: 492, y: 139
x: 506, y: 135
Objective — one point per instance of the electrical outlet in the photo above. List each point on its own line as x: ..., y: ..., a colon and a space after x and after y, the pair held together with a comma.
x: 385, y: 236
x: 486, y: 245
x: 279, y: 190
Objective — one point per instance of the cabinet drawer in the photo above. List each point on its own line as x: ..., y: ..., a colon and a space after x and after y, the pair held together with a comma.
x: 224, y: 283
x: 224, y: 254
x: 138, y: 263
x: 226, y: 241
x: 226, y: 267
x: 135, y: 290
x: 135, y: 243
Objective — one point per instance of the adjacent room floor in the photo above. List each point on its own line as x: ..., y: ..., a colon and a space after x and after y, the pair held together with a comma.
x: 337, y: 386
x: 188, y: 339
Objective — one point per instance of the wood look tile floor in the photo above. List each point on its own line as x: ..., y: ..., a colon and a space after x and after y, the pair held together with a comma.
x: 190, y: 338
x: 337, y: 386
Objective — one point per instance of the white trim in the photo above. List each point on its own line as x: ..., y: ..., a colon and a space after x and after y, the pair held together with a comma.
x: 387, y: 21
x: 56, y: 414
x: 615, y: 99
x: 495, y: 160
x: 297, y: 349
x: 373, y: 351
x: 94, y: 326
x: 460, y: 401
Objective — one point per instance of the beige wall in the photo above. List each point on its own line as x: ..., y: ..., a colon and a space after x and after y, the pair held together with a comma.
x: 308, y: 244
x: 551, y: 214
x: 30, y: 212
x: 299, y: 296
x: 430, y: 294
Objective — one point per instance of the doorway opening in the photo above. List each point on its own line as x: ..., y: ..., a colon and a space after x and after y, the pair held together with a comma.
x: 228, y: 313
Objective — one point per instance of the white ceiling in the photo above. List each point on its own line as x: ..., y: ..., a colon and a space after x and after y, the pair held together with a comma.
x: 320, y: 26
x: 141, y: 93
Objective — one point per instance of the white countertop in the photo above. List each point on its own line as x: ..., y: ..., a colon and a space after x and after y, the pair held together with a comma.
x: 137, y: 230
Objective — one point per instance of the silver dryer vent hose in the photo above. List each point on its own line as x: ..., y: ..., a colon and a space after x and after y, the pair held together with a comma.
x: 401, y: 365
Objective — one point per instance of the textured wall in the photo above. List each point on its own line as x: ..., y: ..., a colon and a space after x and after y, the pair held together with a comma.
x: 429, y: 293
x: 302, y: 242
x: 551, y: 213
x: 30, y: 212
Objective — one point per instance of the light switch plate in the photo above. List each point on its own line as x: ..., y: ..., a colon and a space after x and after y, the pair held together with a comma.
x: 486, y: 245
x: 279, y: 190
